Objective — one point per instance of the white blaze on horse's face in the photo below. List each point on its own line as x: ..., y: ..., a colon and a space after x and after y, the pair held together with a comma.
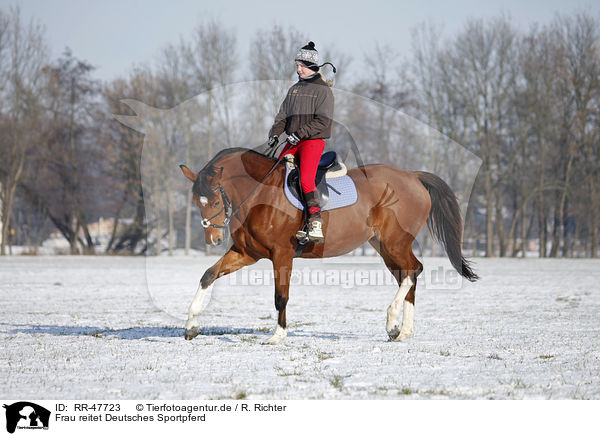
x: 213, y: 211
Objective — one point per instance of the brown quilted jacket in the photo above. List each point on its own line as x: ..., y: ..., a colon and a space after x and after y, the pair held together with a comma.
x: 306, y: 111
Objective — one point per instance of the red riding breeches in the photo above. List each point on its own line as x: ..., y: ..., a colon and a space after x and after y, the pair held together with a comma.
x: 309, y: 152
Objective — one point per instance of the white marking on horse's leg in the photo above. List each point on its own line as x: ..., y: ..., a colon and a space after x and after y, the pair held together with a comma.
x: 278, y: 336
x: 197, y: 306
x: 408, y: 321
x: 393, y: 328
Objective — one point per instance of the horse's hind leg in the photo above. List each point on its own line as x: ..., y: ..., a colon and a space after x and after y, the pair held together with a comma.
x: 405, y: 268
x: 230, y: 262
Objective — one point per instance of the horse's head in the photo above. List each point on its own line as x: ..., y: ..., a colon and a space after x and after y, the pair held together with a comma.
x: 210, y: 197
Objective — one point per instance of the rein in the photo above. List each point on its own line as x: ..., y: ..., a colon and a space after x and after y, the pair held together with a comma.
x: 227, y: 203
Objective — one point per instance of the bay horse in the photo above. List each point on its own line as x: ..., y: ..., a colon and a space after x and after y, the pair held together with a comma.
x: 392, y: 207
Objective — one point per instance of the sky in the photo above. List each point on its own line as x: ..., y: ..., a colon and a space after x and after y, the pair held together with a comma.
x: 115, y: 35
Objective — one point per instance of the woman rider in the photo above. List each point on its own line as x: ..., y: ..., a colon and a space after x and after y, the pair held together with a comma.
x: 305, y: 115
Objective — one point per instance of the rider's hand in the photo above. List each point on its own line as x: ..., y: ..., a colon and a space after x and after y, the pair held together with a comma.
x: 273, y: 140
x: 293, y: 139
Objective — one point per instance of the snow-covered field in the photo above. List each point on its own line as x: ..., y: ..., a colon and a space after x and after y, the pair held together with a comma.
x: 111, y: 328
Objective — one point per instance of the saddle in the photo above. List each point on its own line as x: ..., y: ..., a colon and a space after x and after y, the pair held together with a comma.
x: 329, y: 168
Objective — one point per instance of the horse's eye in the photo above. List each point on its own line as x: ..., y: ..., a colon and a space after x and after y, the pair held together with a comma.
x: 217, y: 203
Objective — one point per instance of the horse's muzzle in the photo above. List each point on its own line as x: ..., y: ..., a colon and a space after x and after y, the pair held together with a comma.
x: 216, y: 241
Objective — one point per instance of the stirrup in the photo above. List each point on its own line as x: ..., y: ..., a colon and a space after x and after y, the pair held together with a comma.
x: 302, y: 235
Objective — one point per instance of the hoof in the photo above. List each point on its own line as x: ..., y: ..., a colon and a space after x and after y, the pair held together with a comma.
x: 394, y: 332
x: 396, y: 335
x: 191, y: 333
x: 279, y: 336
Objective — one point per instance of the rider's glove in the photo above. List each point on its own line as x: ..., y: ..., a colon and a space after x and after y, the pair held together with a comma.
x: 293, y: 139
x: 272, y: 142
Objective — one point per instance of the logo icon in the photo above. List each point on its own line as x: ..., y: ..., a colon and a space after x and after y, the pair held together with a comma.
x: 25, y: 415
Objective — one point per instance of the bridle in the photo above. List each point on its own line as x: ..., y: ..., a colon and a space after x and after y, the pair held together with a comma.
x: 227, y: 206
x: 206, y: 222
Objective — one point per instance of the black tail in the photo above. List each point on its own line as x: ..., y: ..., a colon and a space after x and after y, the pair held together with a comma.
x: 445, y: 222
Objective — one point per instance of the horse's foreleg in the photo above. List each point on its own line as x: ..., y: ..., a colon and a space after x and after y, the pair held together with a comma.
x: 230, y: 262
x: 192, y: 326
x: 282, y: 267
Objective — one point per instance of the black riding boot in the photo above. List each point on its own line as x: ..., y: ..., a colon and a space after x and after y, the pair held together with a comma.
x: 315, y: 224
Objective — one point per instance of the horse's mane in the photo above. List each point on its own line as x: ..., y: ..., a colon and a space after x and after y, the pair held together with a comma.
x: 200, y: 186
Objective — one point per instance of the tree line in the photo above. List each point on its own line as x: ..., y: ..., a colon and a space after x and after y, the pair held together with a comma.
x: 524, y: 102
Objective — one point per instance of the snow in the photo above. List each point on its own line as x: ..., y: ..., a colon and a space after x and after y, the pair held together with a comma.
x: 75, y: 327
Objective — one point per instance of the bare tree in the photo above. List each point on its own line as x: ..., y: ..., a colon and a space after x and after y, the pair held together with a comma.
x: 478, y: 71
x: 579, y: 37
x: 272, y: 52
x: 123, y: 149
x: 22, y: 56
x: 68, y: 156
x: 212, y: 61
x: 207, y: 62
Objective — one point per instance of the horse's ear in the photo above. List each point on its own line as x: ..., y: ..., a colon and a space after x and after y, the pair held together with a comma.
x: 189, y: 174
